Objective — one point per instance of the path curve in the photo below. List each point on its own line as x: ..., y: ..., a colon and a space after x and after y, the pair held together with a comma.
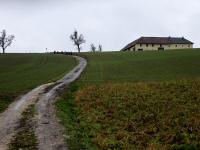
x: 48, y: 130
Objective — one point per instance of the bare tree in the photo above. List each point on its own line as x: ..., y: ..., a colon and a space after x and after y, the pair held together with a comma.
x: 100, y: 48
x: 77, y: 39
x: 93, y: 48
x: 5, y: 40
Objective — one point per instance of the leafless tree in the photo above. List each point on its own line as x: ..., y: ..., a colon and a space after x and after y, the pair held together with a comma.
x: 93, y: 48
x: 100, y: 48
x: 5, y: 40
x: 77, y: 39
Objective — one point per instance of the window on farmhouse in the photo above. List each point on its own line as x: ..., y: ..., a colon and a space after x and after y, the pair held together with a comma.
x: 147, y: 45
x: 140, y: 45
x: 152, y: 45
x: 176, y: 45
x: 189, y: 46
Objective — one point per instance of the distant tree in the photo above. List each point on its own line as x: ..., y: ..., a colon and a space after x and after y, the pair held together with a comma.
x: 77, y: 39
x: 93, y: 48
x: 5, y: 40
x: 100, y: 48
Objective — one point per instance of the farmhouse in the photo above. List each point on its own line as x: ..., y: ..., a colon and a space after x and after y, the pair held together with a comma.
x: 158, y: 43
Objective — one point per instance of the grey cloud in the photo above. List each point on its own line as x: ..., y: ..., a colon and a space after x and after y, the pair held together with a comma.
x: 113, y: 23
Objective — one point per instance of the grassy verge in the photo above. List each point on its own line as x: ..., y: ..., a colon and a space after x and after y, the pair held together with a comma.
x: 25, y: 138
x: 77, y: 129
x: 6, y: 99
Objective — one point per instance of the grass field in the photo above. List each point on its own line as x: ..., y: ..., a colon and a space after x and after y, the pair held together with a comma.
x: 142, y: 116
x: 97, y: 115
x: 22, y: 72
x: 141, y: 66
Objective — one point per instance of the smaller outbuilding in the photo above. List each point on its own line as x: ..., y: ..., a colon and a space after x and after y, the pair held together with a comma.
x: 158, y: 43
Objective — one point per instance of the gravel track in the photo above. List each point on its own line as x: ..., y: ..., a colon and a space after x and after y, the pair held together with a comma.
x: 49, y: 132
x: 9, y: 120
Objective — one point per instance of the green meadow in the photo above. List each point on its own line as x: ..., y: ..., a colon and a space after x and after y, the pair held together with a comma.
x: 134, y: 100
x: 20, y: 73
x: 141, y: 66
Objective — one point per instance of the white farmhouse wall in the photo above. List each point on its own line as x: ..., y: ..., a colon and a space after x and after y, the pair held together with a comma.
x: 156, y: 46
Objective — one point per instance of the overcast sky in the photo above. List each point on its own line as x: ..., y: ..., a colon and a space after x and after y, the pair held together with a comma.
x: 41, y: 24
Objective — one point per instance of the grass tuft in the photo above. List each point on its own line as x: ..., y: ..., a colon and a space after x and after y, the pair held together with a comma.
x: 25, y: 138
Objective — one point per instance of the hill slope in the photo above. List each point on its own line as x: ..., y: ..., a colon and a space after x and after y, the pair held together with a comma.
x: 22, y: 72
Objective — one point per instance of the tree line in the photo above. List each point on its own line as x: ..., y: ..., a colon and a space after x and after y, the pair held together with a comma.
x: 78, y: 39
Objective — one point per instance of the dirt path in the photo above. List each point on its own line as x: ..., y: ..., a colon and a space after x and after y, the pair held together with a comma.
x: 10, y: 118
x: 48, y: 130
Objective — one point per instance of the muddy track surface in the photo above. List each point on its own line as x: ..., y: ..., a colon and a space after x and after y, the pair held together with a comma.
x: 49, y: 132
